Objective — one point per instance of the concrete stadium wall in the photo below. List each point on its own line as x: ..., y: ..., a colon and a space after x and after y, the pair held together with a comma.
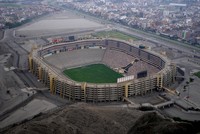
x: 89, y: 92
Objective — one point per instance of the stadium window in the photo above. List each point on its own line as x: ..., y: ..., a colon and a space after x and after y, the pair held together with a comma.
x: 161, y: 63
x: 77, y: 46
x: 64, y: 48
x: 118, y: 45
x: 106, y: 42
x: 148, y: 56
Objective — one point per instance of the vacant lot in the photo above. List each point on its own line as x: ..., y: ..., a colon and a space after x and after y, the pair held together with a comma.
x: 96, y: 73
x: 56, y: 24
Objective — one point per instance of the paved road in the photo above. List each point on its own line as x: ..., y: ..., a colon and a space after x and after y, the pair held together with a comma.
x: 1, y: 34
x: 26, y: 112
x: 176, y: 112
x: 186, y: 49
x: 193, y: 92
x: 19, y: 53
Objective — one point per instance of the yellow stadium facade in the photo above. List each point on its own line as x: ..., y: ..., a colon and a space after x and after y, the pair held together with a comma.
x: 91, y: 92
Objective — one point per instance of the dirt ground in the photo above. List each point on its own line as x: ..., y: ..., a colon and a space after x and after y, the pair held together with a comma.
x: 81, y: 118
x: 55, y: 24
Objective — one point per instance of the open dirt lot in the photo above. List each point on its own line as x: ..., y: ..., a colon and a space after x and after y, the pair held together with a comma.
x: 59, y: 23
x: 27, y: 111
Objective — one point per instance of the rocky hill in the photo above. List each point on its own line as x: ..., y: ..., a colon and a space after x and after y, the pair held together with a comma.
x: 151, y: 123
x: 87, y: 119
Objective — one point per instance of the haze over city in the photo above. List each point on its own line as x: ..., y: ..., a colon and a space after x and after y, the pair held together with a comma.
x: 100, y: 66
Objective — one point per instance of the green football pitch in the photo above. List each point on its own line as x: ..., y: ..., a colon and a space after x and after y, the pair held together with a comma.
x: 96, y: 73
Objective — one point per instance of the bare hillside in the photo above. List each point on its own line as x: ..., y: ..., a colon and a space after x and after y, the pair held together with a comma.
x: 83, y: 118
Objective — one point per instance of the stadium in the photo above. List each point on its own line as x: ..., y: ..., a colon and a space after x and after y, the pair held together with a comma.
x: 100, y: 70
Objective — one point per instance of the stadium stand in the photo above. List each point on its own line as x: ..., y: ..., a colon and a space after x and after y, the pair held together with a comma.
x: 115, y: 53
x: 116, y: 59
x: 75, y: 58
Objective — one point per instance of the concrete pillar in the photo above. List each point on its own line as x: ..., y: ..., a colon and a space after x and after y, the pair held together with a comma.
x: 161, y: 81
x: 126, y: 90
x: 61, y: 89
x: 52, y: 83
x: 40, y: 73
x: 30, y: 59
x: 158, y: 80
x: 83, y: 87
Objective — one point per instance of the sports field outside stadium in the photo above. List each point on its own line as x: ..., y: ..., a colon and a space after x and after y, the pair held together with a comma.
x: 115, y: 34
x: 95, y: 73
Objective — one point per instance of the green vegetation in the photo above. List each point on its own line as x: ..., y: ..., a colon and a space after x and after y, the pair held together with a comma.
x: 114, y: 34
x: 197, y: 74
x: 96, y: 73
x: 17, y: 24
